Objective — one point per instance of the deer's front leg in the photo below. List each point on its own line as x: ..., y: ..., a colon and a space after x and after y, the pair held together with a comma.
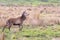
x: 20, y: 27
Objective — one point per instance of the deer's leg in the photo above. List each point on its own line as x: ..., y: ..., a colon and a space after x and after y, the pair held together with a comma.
x: 9, y: 26
x: 4, y: 28
x: 20, y: 27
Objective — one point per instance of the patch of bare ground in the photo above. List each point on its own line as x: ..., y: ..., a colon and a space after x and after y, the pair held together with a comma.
x: 58, y: 38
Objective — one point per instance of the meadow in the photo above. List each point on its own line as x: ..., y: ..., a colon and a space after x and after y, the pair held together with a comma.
x: 48, y: 20
x: 45, y: 13
x: 29, y: 2
x: 32, y: 33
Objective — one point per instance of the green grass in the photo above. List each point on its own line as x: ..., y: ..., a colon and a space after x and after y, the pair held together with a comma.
x: 29, y: 2
x: 36, y: 33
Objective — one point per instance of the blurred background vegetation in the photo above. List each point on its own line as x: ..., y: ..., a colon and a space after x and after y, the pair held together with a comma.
x: 28, y: 2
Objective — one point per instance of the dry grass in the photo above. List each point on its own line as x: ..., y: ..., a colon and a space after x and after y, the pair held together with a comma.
x: 42, y: 15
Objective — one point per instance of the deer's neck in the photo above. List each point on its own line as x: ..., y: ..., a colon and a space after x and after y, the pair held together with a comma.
x: 23, y: 17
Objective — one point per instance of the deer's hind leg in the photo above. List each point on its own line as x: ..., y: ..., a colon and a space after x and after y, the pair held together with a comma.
x: 9, y: 26
x: 4, y: 28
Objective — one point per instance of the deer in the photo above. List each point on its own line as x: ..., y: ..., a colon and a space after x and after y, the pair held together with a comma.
x: 16, y: 21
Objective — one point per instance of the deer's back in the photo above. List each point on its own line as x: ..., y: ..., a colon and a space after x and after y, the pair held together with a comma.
x: 15, y: 20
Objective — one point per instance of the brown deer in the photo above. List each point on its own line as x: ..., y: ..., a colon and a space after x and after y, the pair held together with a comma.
x: 16, y: 21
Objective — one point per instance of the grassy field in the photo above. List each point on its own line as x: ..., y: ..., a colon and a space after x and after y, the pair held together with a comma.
x: 29, y: 2
x: 32, y: 33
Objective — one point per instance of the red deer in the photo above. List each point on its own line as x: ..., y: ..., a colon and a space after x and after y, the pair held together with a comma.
x: 16, y: 21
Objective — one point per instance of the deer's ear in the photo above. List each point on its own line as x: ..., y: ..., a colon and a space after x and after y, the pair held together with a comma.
x: 24, y: 12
